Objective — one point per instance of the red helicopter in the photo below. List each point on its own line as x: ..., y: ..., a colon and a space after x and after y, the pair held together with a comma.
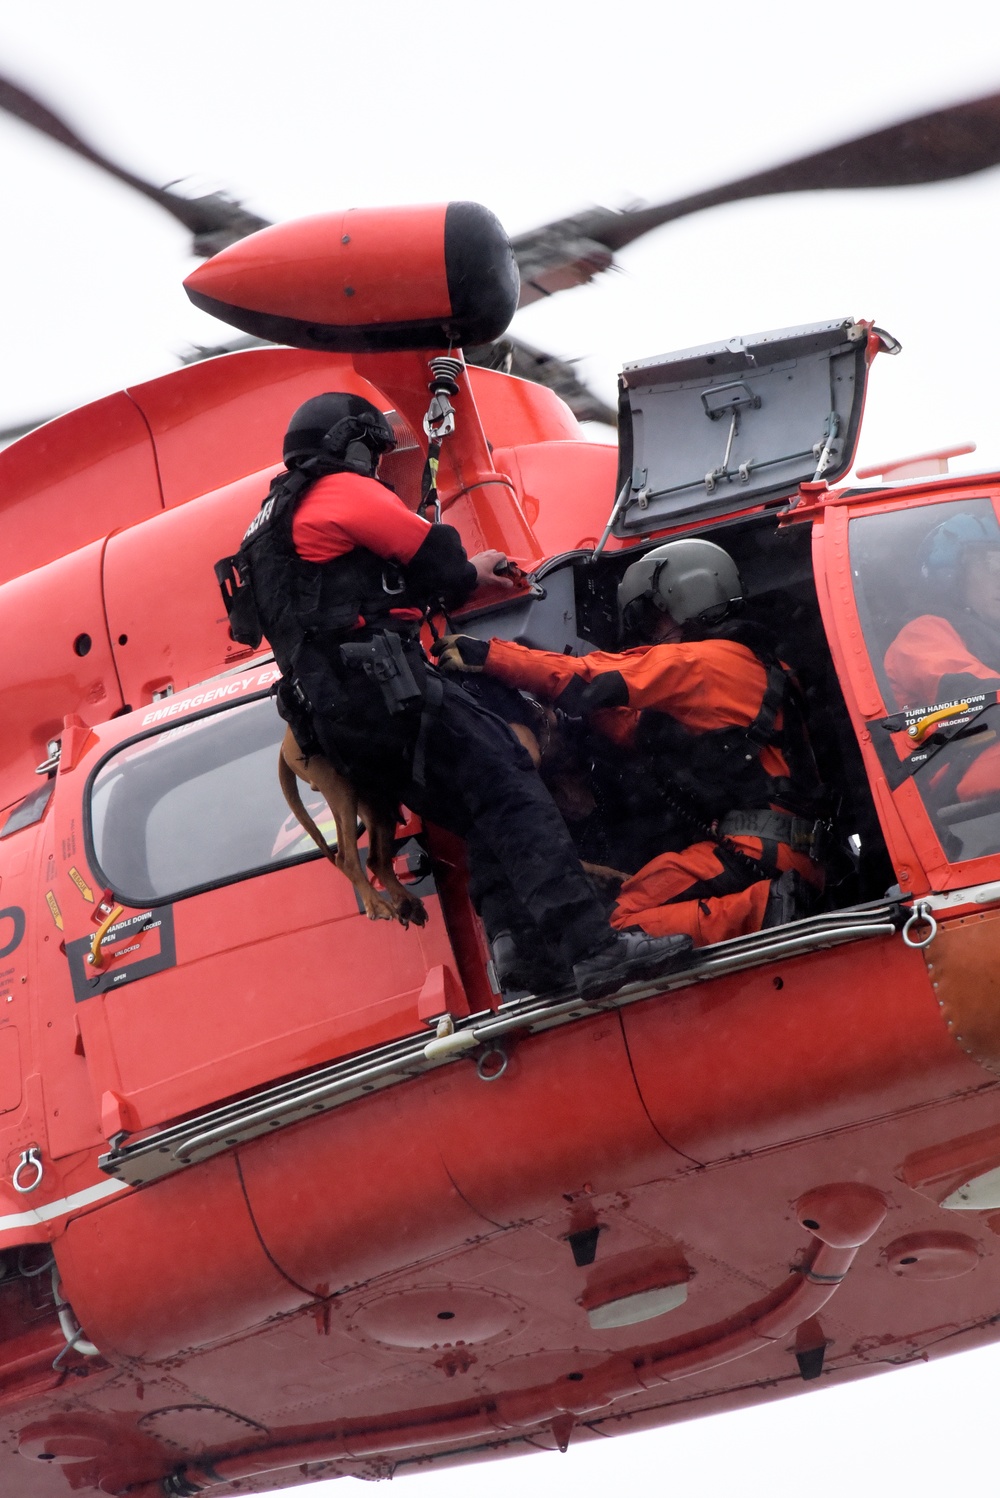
x: 288, y: 1195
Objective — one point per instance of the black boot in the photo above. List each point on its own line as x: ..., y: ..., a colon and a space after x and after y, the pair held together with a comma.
x: 630, y: 958
x: 520, y: 969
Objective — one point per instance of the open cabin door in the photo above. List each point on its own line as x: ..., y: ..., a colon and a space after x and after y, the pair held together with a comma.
x: 712, y: 432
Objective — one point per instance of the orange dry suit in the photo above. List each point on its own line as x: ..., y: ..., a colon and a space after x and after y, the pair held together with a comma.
x: 933, y: 661
x: 721, y: 726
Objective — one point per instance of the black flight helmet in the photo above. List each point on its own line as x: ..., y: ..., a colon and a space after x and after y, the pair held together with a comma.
x: 342, y: 430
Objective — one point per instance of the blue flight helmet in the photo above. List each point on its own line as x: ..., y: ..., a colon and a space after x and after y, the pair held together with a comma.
x: 945, y: 547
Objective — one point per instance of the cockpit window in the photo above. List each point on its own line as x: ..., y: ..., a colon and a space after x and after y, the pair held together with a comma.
x: 927, y: 582
x: 198, y: 805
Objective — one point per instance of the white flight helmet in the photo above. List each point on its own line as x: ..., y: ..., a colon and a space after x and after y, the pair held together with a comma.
x: 689, y: 580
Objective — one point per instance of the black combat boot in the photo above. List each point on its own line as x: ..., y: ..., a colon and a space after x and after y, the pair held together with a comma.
x: 522, y: 966
x: 632, y: 957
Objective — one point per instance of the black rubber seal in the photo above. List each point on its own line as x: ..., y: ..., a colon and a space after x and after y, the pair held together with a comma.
x: 483, y: 280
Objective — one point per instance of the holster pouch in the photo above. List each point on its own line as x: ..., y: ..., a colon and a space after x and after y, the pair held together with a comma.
x: 383, y: 659
x: 237, y: 595
x: 296, y: 710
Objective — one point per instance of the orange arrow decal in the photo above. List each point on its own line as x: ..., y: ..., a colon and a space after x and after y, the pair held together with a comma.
x: 54, y: 910
x: 82, y: 885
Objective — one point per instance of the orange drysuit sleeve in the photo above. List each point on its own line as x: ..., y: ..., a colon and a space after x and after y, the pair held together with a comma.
x: 704, y: 685
x: 925, y: 652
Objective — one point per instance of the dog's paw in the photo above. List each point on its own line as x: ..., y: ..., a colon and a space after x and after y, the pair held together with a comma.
x: 410, y: 911
x: 378, y: 909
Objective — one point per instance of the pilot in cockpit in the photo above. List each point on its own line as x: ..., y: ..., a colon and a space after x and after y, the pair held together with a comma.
x: 952, y: 652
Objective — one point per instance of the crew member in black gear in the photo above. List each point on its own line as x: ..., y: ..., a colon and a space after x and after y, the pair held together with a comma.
x: 337, y: 573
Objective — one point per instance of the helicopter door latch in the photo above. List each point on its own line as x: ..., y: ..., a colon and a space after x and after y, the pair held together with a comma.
x: 825, y: 448
x: 53, y: 753
x: 728, y: 400
x: 640, y: 488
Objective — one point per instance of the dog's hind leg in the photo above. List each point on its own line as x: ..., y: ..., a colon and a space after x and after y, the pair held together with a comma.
x: 321, y: 776
x: 381, y: 825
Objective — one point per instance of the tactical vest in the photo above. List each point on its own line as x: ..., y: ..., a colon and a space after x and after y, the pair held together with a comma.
x: 298, y: 601
x: 717, y: 771
x: 636, y: 819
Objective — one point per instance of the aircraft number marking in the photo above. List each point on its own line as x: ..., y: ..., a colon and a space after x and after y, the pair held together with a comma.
x: 15, y: 915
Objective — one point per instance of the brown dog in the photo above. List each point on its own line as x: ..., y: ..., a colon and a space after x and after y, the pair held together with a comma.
x: 395, y: 904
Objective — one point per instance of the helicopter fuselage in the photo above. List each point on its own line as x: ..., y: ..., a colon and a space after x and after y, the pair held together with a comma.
x: 290, y: 1194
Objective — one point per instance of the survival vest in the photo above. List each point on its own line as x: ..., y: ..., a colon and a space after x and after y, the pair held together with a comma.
x: 276, y: 593
x: 718, y: 771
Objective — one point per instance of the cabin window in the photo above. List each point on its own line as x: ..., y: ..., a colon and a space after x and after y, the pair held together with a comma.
x: 197, y: 805
x: 927, y: 581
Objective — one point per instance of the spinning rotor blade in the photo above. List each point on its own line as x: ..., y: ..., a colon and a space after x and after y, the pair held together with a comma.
x: 935, y: 147
x: 513, y: 356
x: 11, y: 434
x: 214, y: 220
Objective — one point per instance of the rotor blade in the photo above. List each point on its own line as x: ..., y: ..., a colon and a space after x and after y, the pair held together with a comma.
x: 214, y: 220
x: 196, y: 352
x: 513, y: 356
x: 936, y: 147
x: 11, y: 434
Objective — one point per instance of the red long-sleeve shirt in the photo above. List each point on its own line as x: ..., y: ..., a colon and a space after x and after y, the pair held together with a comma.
x: 344, y: 510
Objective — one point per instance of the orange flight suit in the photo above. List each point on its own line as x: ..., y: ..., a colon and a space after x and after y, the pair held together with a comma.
x: 928, y: 662
x: 706, y: 685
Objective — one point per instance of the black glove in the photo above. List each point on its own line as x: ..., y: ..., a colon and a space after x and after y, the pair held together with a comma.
x: 461, y: 652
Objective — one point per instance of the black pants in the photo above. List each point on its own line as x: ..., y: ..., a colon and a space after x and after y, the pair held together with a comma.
x: 475, y: 780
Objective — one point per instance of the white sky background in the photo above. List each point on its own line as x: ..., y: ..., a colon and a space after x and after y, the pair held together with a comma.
x: 539, y: 109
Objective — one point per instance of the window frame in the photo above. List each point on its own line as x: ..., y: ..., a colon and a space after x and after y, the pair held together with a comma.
x: 918, y: 853
x: 215, y: 710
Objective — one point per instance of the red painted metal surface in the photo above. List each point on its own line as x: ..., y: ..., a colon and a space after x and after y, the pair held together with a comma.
x: 220, y: 419
x: 337, y: 268
x: 74, y: 480
x: 63, y: 662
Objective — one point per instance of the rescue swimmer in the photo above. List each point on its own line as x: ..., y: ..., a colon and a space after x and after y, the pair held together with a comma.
x: 338, y: 575
x: 710, y: 711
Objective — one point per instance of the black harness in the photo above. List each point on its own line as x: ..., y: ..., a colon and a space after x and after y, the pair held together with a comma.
x: 713, y: 784
x: 272, y: 591
x: 355, y: 684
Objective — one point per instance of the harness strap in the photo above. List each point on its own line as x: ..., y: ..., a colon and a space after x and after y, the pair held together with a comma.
x: 799, y: 833
x: 729, y: 882
x: 761, y: 730
x: 429, y: 498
